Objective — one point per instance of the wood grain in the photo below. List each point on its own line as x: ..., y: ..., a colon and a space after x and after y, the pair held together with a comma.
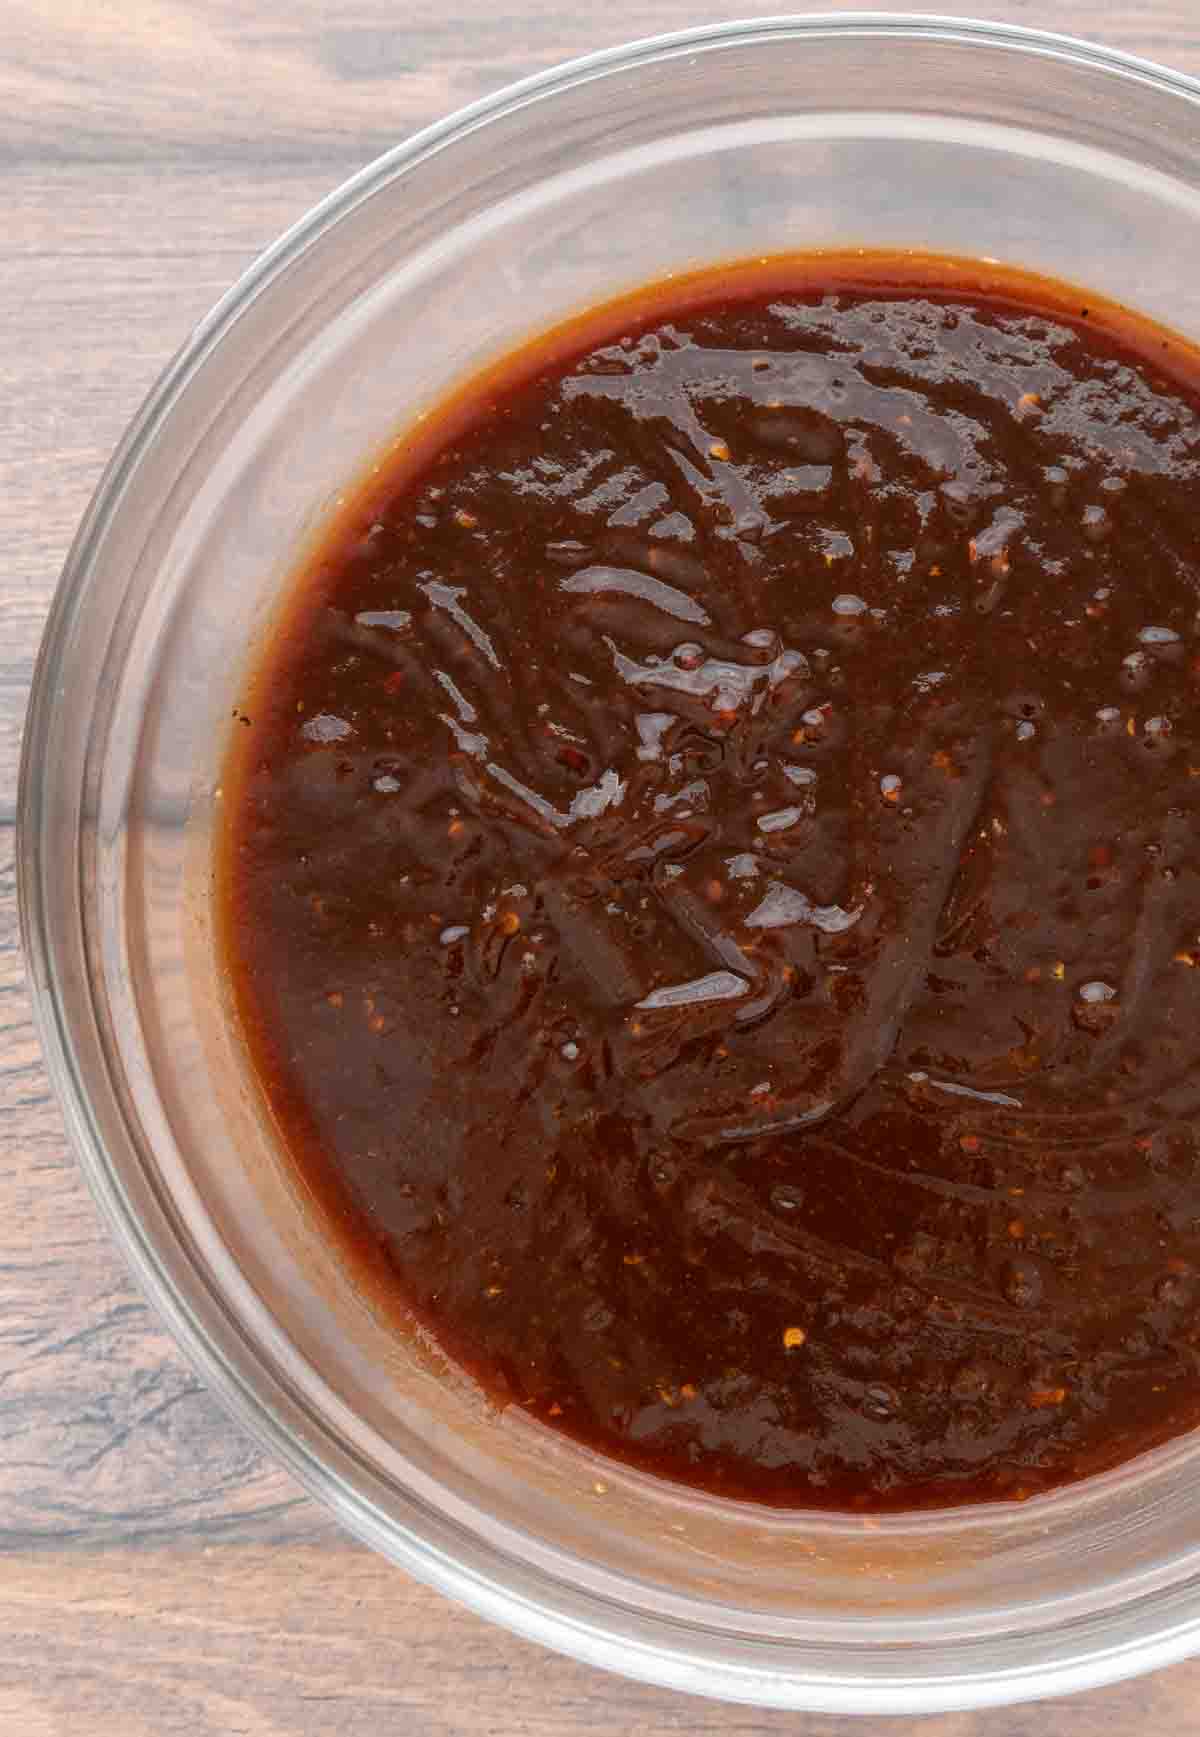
x: 217, y: 80
x: 265, y: 1643
x: 156, y: 1575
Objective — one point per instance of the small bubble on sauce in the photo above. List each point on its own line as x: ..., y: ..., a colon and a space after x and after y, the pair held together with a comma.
x: 880, y: 1402
x: 1096, y: 991
x: 324, y: 727
x: 1095, y: 522
x: 780, y: 819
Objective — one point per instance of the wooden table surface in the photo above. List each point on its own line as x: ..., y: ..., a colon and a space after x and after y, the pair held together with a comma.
x: 157, y: 1576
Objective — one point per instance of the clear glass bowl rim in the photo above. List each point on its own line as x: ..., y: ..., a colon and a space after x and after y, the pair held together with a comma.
x: 560, y: 1616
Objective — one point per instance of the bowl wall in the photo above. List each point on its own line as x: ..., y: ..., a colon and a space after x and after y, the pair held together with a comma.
x: 765, y: 138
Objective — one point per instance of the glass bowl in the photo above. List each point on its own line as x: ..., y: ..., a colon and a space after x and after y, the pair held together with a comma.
x: 783, y: 134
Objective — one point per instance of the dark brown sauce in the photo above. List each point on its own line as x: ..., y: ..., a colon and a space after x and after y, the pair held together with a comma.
x: 712, y: 884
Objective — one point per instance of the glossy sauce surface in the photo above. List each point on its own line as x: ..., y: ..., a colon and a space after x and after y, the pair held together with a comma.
x: 712, y: 885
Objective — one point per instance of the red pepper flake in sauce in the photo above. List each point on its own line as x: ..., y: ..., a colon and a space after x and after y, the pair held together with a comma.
x: 815, y: 587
